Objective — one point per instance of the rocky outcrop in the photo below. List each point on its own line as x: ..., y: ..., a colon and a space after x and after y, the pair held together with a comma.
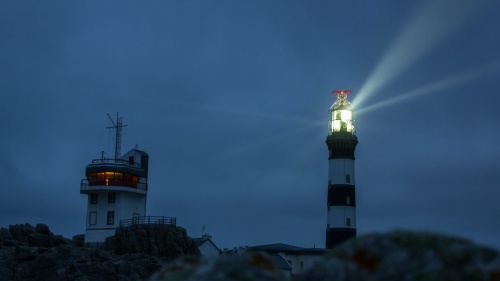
x: 165, y: 241
x: 35, y: 253
x: 251, y: 267
x: 398, y: 255
x: 406, y: 255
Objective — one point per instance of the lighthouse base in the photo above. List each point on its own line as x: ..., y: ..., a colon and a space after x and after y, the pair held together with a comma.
x: 335, y: 236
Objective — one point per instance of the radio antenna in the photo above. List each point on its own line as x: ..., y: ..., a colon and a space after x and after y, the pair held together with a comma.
x: 118, y: 127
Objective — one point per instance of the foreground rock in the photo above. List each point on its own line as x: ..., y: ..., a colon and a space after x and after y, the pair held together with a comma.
x: 249, y: 267
x: 35, y: 253
x: 398, y: 255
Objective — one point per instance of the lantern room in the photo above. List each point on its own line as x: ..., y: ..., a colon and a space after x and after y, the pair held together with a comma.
x: 341, y: 114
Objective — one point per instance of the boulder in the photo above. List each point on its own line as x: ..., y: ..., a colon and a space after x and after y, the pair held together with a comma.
x: 165, y: 241
x: 397, y: 255
x: 253, y: 266
x: 407, y: 255
x: 35, y: 253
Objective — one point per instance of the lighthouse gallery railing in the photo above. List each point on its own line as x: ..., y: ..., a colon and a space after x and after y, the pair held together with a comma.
x: 149, y: 220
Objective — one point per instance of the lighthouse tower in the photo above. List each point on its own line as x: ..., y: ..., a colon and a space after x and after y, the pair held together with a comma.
x: 117, y: 189
x: 341, y: 141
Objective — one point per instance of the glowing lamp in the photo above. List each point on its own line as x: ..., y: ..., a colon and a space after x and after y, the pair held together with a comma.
x: 341, y: 114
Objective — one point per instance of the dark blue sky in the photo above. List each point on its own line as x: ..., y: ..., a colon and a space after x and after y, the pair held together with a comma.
x: 230, y: 100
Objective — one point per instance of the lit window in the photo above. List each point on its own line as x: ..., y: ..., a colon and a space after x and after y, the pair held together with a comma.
x: 348, y: 178
x: 110, y: 175
x: 111, y: 197
x: 93, y: 198
x: 111, y: 217
x: 92, y: 218
x: 348, y: 222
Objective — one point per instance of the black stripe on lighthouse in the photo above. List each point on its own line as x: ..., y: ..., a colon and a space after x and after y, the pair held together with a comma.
x: 335, y: 236
x: 341, y: 195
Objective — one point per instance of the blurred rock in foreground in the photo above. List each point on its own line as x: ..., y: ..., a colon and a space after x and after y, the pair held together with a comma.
x: 255, y: 266
x: 35, y: 253
x: 397, y: 255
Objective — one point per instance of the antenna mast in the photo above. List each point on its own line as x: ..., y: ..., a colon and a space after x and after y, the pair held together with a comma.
x: 118, y: 127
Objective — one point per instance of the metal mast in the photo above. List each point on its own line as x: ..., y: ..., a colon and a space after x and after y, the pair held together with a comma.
x: 118, y: 127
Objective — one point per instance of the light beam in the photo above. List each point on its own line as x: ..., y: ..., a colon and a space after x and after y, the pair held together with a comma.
x: 437, y: 86
x: 432, y: 24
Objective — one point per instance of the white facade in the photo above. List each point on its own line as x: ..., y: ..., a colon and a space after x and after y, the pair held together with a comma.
x: 341, y: 171
x: 341, y: 217
x: 208, y: 248
x: 117, y: 190
x: 300, y: 261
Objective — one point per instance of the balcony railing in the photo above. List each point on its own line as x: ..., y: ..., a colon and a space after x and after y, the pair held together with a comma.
x: 116, y: 161
x: 155, y: 220
x: 109, y: 182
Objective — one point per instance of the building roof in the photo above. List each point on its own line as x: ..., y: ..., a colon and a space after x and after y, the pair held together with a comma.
x: 205, y: 239
x: 280, y: 247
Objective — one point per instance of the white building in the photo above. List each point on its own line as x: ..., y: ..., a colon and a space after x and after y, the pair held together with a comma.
x: 206, y: 246
x: 117, y: 191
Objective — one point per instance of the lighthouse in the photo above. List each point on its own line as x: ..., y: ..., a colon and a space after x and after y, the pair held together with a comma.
x: 116, y: 189
x: 341, y: 141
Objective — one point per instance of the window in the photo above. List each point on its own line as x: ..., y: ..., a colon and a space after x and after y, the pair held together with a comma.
x: 110, y: 175
x: 93, y: 198
x: 111, y: 197
x: 348, y: 222
x: 92, y: 218
x: 348, y: 178
x: 111, y: 217
x: 348, y: 200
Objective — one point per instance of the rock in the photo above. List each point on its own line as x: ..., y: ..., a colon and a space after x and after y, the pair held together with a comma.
x: 406, y: 255
x: 79, y: 239
x: 165, y: 241
x: 254, y: 266
x: 35, y: 253
x: 43, y: 229
x: 24, y: 253
x: 59, y: 239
